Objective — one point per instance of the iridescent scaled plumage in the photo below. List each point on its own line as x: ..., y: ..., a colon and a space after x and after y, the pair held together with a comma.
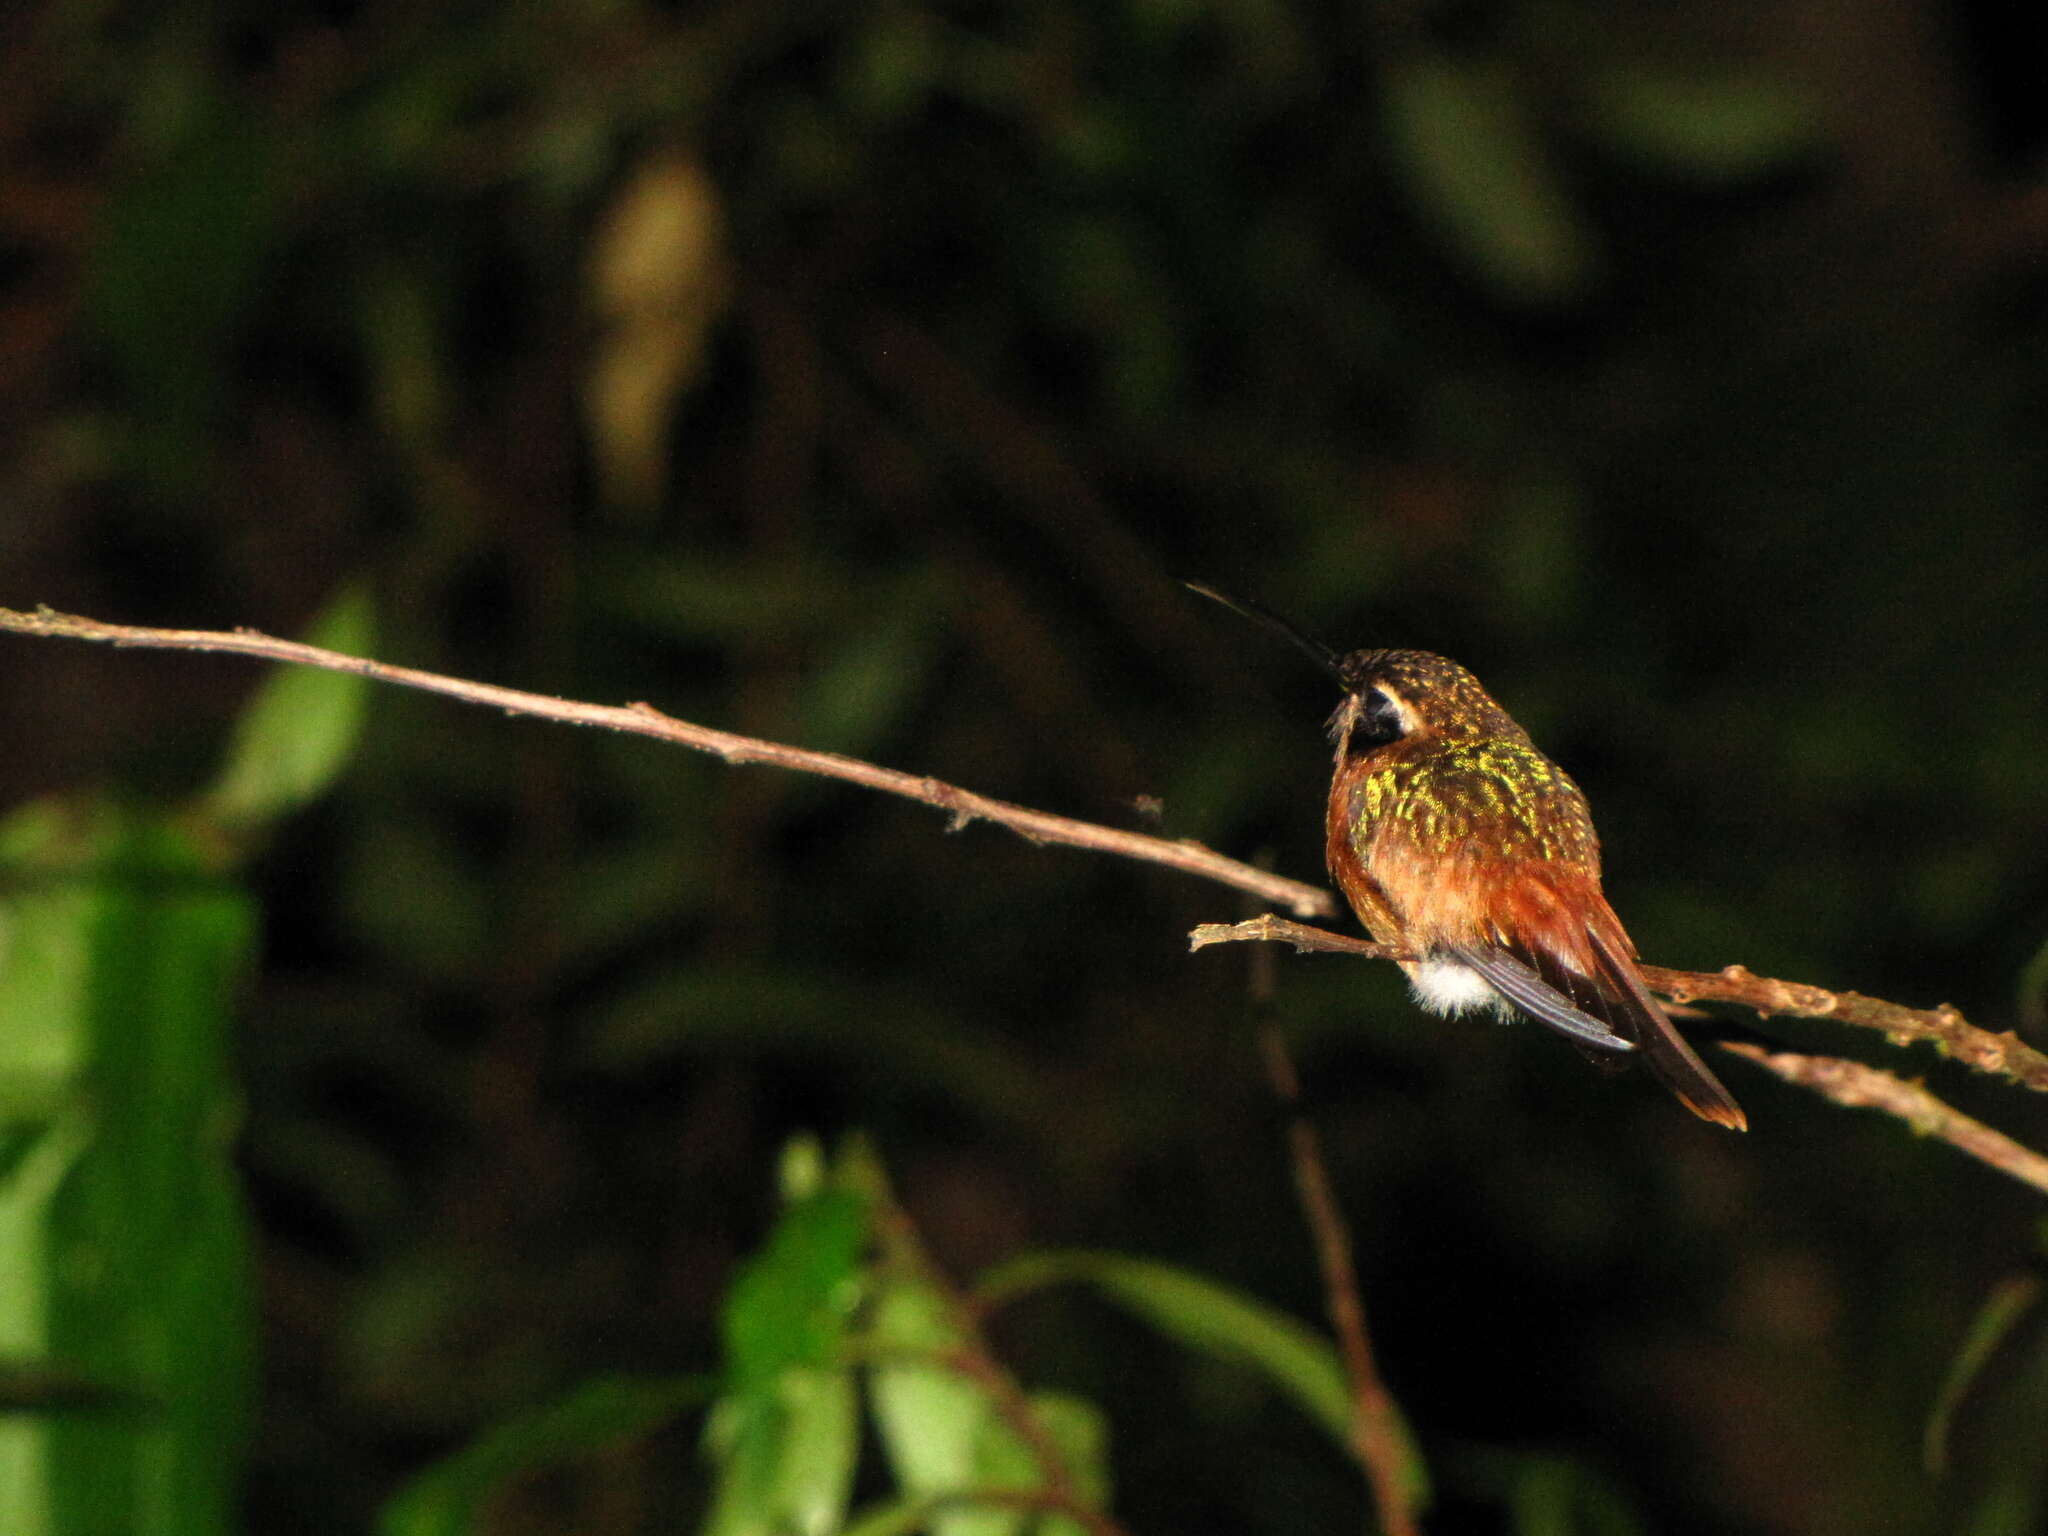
x: 1456, y: 840
x: 1503, y: 798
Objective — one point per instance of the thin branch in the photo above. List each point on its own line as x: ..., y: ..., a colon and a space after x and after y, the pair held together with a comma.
x: 1279, y: 930
x: 963, y: 806
x: 2004, y: 1055
x: 1947, y: 1030
x: 1379, y: 1436
x: 1859, y: 1087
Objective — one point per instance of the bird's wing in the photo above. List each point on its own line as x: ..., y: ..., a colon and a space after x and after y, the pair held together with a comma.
x: 1520, y: 983
x: 1610, y: 991
x: 1642, y: 1018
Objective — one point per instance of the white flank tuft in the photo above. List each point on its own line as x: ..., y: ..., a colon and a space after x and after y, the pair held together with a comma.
x: 1445, y: 986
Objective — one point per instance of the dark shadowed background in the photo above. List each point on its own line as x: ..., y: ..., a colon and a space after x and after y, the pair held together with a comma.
x: 864, y: 376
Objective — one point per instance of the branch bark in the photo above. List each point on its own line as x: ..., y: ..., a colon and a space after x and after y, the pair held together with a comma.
x: 1946, y: 1030
x: 963, y: 806
x: 2004, y: 1055
x: 1853, y: 1084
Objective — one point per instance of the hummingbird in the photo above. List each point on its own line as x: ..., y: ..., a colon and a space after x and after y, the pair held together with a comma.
x: 1461, y: 846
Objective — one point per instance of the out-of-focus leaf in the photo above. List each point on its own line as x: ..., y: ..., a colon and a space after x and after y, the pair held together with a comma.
x: 445, y: 1500
x: 872, y: 673
x: 658, y: 283
x: 2002, y: 1310
x: 899, y: 1517
x: 1077, y: 1430
x: 1484, y: 176
x: 1715, y: 127
x: 296, y: 734
x: 121, y: 1235
x: 892, y: 64
x: 1215, y: 1320
x: 785, y: 1436
x: 2012, y: 1507
x: 785, y: 1455
x: 2032, y: 996
x: 943, y: 1427
x: 931, y: 1417
x: 409, y: 892
x: 1550, y: 1496
x: 710, y: 600
x: 439, y: 1338
x: 790, y: 1304
x: 691, y: 1011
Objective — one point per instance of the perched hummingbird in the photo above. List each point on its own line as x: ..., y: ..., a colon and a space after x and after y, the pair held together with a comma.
x: 1460, y: 844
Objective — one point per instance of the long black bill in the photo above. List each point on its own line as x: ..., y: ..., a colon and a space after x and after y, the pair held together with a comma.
x: 1259, y: 613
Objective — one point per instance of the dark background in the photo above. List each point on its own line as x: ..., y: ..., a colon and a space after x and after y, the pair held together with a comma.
x: 862, y: 376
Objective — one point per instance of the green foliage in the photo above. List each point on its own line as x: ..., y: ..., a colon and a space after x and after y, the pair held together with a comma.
x: 1205, y: 1316
x: 2001, y: 1313
x: 125, y: 1300
x: 1548, y: 1496
x: 299, y: 731
x: 840, y: 1306
x: 453, y: 1497
x: 1485, y: 176
x: 1719, y: 126
x: 123, y: 1259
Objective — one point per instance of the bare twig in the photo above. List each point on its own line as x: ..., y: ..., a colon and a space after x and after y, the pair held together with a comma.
x: 1378, y: 1434
x: 2004, y: 1055
x: 1279, y: 930
x: 1859, y: 1087
x: 964, y: 806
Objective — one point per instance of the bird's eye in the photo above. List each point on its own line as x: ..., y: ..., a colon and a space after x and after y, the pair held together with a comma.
x: 1379, y: 720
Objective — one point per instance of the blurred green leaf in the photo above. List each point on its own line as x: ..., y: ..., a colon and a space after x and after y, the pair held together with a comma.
x: 890, y: 1034
x: 898, y: 1517
x: 785, y: 1455
x: 1715, y: 127
x: 947, y: 1428
x: 413, y: 896
x: 121, y: 1233
x: 2031, y: 997
x: 1553, y: 1496
x: 791, y: 1303
x: 943, y: 1430
x: 892, y: 64
x: 704, y: 599
x: 2012, y: 1507
x: 2003, y: 1308
x: 1486, y: 179
x: 872, y: 672
x: 934, y: 1418
x: 448, y: 1498
x: 785, y: 1435
x: 1077, y: 1430
x: 1211, y: 1318
x: 297, y: 733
